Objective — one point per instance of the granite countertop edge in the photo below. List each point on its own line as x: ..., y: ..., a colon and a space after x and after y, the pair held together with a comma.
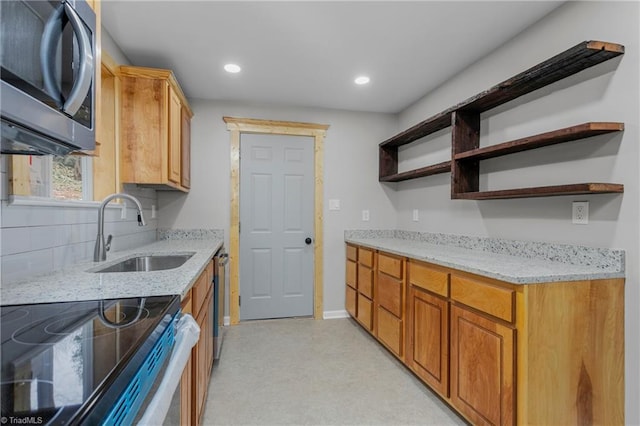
x: 511, y: 269
x: 79, y: 283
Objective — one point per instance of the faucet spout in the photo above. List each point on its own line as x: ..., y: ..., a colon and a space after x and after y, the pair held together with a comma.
x: 101, y: 248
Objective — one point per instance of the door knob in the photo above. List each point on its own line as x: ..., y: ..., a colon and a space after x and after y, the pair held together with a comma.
x: 308, y: 240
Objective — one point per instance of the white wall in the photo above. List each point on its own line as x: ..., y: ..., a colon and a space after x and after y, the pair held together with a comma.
x: 608, y: 92
x: 351, y: 175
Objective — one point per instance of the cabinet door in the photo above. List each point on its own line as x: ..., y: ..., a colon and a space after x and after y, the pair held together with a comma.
x: 175, y: 118
x: 201, y: 369
x: 389, y: 294
x: 185, y: 145
x: 351, y: 278
x: 482, y: 368
x: 350, y: 302
x: 389, y: 331
x: 365, y: 312
x: 428, y: 340
x: 186, y: 393
x: 365, y: 281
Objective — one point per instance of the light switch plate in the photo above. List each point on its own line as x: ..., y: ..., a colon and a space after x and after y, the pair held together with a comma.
x: 365, y: 215
x: 334, y: 204
x: 123, y: 211
x: 416, y: 215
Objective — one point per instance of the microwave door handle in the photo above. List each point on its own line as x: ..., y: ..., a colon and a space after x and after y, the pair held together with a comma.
x: 86, y: 66
x: 49, y: 44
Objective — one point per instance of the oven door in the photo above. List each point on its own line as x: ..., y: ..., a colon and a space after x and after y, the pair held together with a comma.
x: 162, y: 405
x: 47, y: 64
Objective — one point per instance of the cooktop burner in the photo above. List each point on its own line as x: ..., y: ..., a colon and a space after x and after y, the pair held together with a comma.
x: 60, y: 359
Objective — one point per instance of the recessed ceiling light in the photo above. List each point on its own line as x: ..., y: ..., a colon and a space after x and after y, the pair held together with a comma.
x: 363, y: 79
x: 232, y: 68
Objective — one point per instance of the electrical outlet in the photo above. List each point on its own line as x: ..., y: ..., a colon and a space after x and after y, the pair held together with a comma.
x: 123, y: 211
x: 334, y: 204
x: 415, y: 215
x: 580, y: 212
x: 365, y: 215
x: 153, y: 211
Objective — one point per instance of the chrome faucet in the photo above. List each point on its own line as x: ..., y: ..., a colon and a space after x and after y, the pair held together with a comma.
x: 101, y: 248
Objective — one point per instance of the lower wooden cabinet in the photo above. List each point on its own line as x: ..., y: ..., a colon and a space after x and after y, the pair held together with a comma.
x: 482, y: 368
x: 365, y: 312
x: 428, y: 338
x: 497, y: 353
x: 389, y: 331
x: 351, y: 301
x: 195, y: 378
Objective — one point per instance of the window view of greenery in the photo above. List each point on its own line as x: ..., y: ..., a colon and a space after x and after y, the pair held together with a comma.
x: 60, y: 178
x: 67, y: 177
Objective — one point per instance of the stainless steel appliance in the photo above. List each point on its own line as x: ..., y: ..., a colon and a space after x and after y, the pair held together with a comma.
x: 89, y: 362
x: 47, y: 67
x: 220, y: 263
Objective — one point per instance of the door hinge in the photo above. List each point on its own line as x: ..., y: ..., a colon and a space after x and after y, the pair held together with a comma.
x: 239, y: 226
x: 239, y: 300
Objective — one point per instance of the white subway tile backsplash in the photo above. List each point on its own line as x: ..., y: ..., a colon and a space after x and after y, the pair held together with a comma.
x: 37, y: 239
x: 15, y: 240
x: 68, y: 255
x: 22, y: 265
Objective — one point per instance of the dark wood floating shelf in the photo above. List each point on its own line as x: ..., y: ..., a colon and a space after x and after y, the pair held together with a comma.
x: 578, y: 58
x: 464, y: 120
x: 567, y: 134
x: 544, y: 191
x: 435, y: 169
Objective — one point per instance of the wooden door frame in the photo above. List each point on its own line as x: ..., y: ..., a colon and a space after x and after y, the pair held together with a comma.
x: 237, y: 126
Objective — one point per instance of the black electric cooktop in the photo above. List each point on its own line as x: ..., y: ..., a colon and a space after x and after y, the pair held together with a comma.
x: 66, y: 363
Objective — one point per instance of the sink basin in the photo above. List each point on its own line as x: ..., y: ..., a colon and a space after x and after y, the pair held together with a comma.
x: 146, y: 263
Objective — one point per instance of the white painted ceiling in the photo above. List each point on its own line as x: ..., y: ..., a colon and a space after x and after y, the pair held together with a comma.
x: 307, y: 53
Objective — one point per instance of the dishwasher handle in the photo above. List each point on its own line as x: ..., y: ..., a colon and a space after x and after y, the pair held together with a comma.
x: 187, y: 336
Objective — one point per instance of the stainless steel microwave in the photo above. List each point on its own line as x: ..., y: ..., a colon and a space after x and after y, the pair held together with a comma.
x: 48, y: 65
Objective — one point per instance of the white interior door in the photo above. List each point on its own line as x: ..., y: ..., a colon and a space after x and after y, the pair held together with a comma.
x: 276, y: 226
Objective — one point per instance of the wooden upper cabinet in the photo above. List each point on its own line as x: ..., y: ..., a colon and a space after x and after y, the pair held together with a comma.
x: 175, y: 138
x: 152, y: 105
x: 185, y: 155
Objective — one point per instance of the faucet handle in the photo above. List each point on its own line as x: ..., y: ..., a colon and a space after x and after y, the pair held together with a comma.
x: 107, y: 246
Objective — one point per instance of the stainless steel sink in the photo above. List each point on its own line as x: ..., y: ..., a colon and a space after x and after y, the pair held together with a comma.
x: 146, y: 263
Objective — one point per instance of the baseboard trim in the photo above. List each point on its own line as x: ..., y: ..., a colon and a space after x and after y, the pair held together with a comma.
x: 335, y: 314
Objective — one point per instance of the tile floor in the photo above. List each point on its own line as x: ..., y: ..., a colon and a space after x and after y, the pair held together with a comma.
x: 307, y: 372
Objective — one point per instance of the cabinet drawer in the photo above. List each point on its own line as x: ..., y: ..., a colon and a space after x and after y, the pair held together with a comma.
x: 365, y: 281
x: 351, y: 274
x: 390, y: 265
x: 389, y: 294
x: 365, y: 257
x: 365, y: 312
x: 390, y: 330
x: 489, y: 298
x: 352, y: 253
x: 350, y: 301
x: 428, y: 278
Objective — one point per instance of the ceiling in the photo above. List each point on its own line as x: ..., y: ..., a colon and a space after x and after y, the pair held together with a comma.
x: 308, y: 53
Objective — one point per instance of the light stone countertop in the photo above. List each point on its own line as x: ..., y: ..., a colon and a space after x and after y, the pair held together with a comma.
x: 75, y: 283
x: 512, y: 269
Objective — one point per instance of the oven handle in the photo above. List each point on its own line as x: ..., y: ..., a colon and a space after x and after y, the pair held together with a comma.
x: 187, y: 336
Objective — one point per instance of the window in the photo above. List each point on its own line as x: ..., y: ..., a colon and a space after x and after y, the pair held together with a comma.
x: 60, y: 178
